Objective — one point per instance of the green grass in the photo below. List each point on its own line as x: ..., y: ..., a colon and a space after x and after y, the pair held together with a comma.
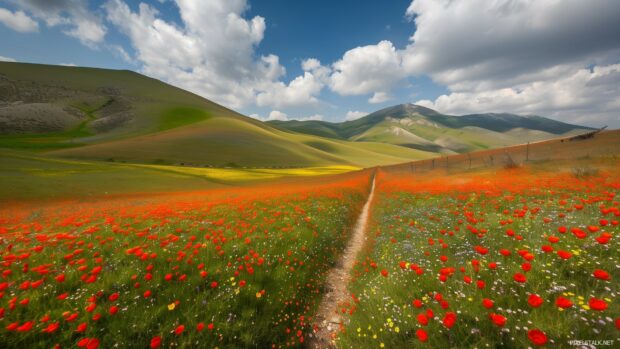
x: 251, y: 267
x: 181, y: 116
x: 412, y: 226
x: 35, y: 177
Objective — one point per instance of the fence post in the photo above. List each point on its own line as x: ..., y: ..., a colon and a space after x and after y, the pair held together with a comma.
x: 527, y: 151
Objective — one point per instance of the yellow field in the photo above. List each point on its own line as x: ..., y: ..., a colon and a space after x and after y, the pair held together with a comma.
x: 247, y: 174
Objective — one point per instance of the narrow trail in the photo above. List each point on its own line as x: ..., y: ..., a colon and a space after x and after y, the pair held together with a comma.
x: 328, y: 318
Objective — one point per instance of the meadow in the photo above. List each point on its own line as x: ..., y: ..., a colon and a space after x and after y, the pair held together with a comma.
x: 173, y: 270
x: 513, y: 259
x: 109, y: 254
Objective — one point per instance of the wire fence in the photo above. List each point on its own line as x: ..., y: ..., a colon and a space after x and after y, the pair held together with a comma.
x: 602, y: 144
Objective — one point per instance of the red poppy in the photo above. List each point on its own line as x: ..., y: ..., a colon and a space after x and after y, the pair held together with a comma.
x: 449, y: 319
x: 81, y: 327
x: 535, y: 300
x: 597, y: 304
x: 384, y: 272
x: 179, y: 329
x: 487, y: 303
x: 547, y: 248
x: 537, y: 337
x: 422, y: 319
x: 526, y: 266
x: 481, y: 250
x: 155, y: 342
x: 563, y: 302
x: 518, y: 277
x: 498, y: 320
x: 601, y: 274
x: 564, y: 254
x: 422, y: 335
x: 113, y: 310
x: 25, y: 327
x: 51, y: 327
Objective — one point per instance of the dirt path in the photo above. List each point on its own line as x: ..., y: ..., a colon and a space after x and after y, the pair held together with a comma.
x: 328, y: 318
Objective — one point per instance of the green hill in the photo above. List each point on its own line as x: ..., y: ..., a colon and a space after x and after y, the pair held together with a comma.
x: 123, y: 116
x: 424, y: 129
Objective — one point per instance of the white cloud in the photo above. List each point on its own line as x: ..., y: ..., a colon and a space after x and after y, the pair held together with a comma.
x: 277, y: 115
x: 18, y: 21
x: 380, y: 97
x: 68, y: 64
x: 368, y: 69
x: 72, y: 15
x: 301, y: 91
x: 519, y: 56
x: 590, y: 97
x: 213, y: 53
x: 493, y: 43
x: 255, y: 116
x: 7, y: 59
x: 354, y: 115
x: 310, y: 64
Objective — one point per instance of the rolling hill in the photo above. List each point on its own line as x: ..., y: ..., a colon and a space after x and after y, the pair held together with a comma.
x: 122, y: 116
x: 421, y: 128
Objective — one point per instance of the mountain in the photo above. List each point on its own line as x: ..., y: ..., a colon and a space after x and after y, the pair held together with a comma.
x: 421, y: 128
x: 116, y: 115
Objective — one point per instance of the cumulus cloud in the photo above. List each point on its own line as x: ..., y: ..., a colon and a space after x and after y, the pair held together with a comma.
x: 277, y: 115
x: 529, y: 57
x: 368, y: 69
x: 301, y: 91
x: 380, y: 97
x: 464, y: 43
x: 589, y: 97
x: 213, y: 53
x: 7, y: 59
x: 354, y: 115
x: 18, y: 21
x: 72, y: 15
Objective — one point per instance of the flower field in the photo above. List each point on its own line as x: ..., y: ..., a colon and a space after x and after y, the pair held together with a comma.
x: 510, y: 258
x: 513, y: 259
x: 235, y: 269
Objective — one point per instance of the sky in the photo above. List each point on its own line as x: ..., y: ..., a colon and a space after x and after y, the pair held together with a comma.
x: 340, y: 60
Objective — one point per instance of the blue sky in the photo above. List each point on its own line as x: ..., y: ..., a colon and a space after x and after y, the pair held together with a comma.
x: 333, y: 60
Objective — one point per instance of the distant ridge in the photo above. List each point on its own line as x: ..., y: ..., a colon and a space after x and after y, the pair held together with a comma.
x: 422, y: 128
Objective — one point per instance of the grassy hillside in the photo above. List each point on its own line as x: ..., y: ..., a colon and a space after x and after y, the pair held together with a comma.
x: 27, y: 176
x: 88, y: 113
x: 424, y: 129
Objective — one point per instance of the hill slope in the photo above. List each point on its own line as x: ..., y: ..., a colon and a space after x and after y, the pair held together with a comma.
x: 422, y: 128
x: 124, y: 116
